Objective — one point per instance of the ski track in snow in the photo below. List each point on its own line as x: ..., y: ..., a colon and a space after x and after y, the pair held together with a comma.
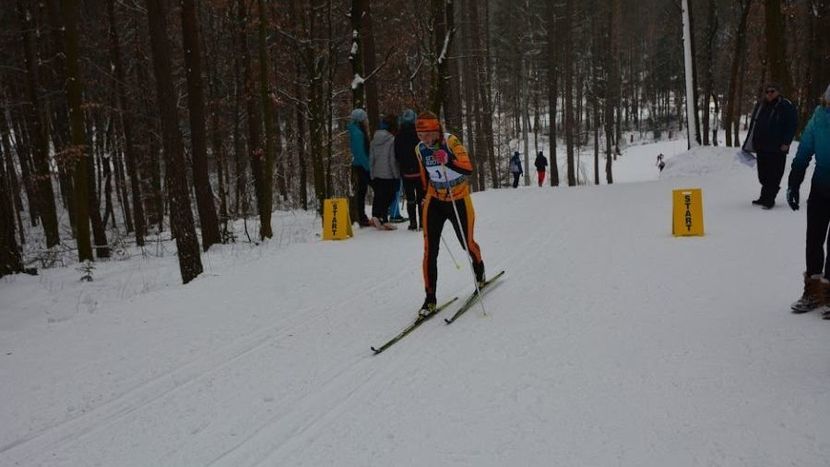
x: 165, y: 385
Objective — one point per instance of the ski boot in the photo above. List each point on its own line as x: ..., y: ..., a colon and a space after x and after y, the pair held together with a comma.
x: 428, y: 307
x: 481, y: 278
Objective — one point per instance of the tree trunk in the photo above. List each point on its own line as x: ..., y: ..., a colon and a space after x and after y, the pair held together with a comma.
x: 613, y: 86
x: 451, y: 78
x: 256, y: 152
x: 42, y: 178
x: 708, y: 72
x: 733, y: 96
x: 130, y: 153
x: 818, y: 58
x: 241, y: 67
x: 525, y: 113
x: 367, y: 40
x: 569, y: 100
x: 482, y: 76
x: 198, y: 131
x: 270, y: 133
x: 356, y: 54
x: 10, y: 258
x: 181, y: 218
x: 441, y: 40
x: 22, y: 148
x: 77, y: 152
x: 777, y: 46
x: 55, y: 73
x: 552, y: 74
x: 146, y: 130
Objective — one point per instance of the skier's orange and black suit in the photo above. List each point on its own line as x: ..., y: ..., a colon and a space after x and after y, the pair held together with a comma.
x: 443, y: 185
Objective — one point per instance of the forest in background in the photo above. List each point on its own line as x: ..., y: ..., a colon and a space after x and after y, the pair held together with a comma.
x: 122, y: 119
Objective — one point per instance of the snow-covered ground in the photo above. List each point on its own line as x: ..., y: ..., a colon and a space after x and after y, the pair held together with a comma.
x: 608, y: 342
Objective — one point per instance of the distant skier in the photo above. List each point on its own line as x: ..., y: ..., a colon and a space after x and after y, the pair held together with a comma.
x: 516, y: 168
x: 444, y: 167
x: 541, y: 164
x: 815, y: 140
x: 661, y: 164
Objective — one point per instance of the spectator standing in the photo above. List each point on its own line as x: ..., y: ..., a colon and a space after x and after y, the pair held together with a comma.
x: 772, y: 130
x: 359, y: 145
x: 405, y: 143
x: 384, y: 171
x: 815, y: 141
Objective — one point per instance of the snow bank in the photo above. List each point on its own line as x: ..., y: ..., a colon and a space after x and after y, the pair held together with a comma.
x: 703, y: 161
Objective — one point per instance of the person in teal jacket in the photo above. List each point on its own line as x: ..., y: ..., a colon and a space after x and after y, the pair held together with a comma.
x: 359, y: 145
x: 815, y: 141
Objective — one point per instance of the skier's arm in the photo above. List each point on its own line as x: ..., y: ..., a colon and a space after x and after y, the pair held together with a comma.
x: 459, y: 160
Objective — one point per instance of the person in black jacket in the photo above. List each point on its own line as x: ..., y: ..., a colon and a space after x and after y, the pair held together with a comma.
x: 541, y: 164
x: 405, y: 143
x: 772, y: 130
x: 516, y: 168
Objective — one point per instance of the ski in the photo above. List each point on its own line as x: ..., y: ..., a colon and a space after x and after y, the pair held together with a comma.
x: 472, y: 299
x: 418, y: 321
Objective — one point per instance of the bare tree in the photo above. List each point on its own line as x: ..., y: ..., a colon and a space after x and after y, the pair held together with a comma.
x: 776, y: 46
x: 198, y: 131
x: 181, y: 218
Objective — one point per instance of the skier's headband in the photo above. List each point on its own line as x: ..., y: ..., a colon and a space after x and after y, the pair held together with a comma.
x: 427, y: 124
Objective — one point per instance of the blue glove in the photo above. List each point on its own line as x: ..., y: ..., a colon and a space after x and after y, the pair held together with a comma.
x: 792, y: 198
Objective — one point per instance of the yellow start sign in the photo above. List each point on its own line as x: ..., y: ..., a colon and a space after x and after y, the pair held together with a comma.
x: 336, y: 222
x: 687, y: 219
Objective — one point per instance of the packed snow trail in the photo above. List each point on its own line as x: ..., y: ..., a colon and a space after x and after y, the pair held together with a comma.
x: 611, y: 343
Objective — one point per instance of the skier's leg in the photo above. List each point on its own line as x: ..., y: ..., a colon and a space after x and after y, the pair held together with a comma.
x: 433, y: 220
x: 467, y: 215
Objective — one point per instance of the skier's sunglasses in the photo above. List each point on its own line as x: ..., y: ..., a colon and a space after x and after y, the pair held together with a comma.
x: 772, y: 91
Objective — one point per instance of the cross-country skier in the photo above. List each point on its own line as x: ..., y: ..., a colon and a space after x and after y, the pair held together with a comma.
x: 444, y: 166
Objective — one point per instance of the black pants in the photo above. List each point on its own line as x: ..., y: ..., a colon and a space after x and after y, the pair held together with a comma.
x: 516, y: 179
x: 818, y: 219
x: 384, y: 189
x: 414, y: 192
x: 771, y: 167
x: 435, y: 213
x: 360, y: 181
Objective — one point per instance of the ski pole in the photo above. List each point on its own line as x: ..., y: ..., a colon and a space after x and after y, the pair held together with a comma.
x: 464, y: 239
x: 447, y: 247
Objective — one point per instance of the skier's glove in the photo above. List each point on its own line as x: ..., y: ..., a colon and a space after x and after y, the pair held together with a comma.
x: 792, y: 198
x: 441, y: 156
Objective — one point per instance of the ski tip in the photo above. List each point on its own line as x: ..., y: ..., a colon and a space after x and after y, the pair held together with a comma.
x: 376, y: 351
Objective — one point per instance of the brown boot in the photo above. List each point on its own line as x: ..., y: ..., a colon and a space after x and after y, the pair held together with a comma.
x: 813, y: 296
x: 825, y: 308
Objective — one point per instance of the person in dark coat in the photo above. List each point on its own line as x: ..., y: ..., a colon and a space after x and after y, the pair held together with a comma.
x: 815, y: 141
x: 405, y: 143
x: 541, y: 167
x: 516, y: 168
x: 773, y: 127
